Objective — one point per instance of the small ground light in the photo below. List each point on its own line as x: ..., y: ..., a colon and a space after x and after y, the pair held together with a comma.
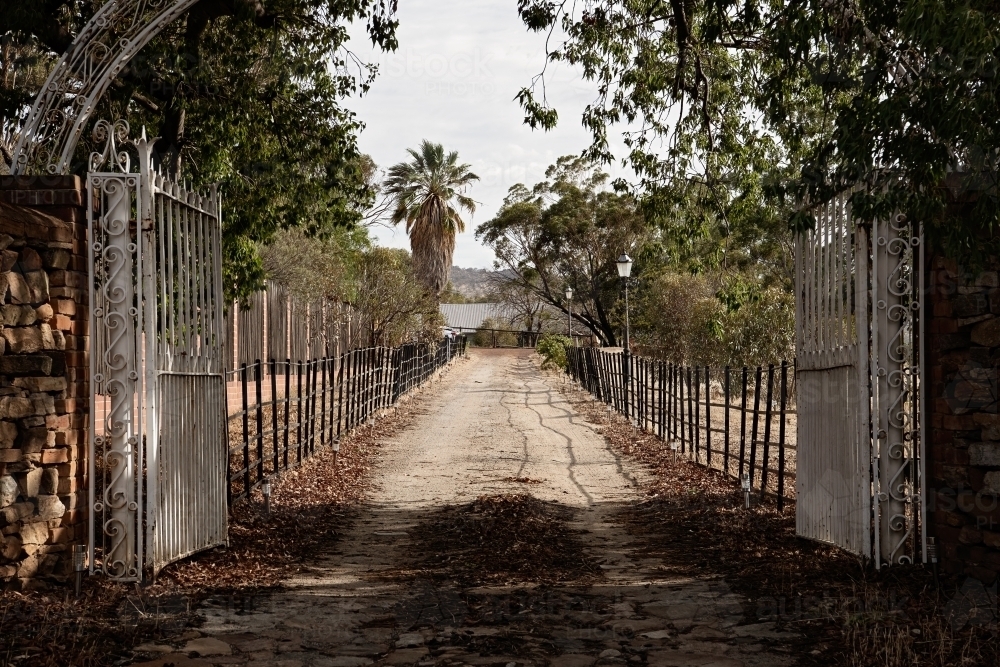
x: 674, y: 446
x: 79, y: 564
x: 745, y: 482
x: 265, y: 488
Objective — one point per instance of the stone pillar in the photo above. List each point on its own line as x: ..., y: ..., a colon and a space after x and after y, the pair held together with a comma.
x: 43, y: 376
x: 963, y: 448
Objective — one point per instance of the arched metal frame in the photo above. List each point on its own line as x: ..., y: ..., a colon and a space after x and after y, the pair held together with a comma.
x: 62, y: 109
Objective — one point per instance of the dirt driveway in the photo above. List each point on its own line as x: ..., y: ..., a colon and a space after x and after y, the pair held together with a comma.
x: 539, y: 571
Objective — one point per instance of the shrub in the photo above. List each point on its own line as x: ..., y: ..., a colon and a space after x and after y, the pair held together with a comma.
x: 552, y: 348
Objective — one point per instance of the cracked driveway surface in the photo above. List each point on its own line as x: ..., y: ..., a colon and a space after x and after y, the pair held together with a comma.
x: 489, y: 421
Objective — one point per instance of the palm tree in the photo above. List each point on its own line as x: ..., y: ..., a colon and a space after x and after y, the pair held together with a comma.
x: 428, y: 192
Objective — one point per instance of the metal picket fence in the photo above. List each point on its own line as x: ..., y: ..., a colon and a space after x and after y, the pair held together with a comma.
x: 740, y: 421
x: 288, y: 409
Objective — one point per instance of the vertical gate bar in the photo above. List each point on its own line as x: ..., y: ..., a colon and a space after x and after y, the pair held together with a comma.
x: 781, y: 436
x: 743, y: 424
x: 921, y: 388
x: 259, y: 381
x: 767, y: 432
x: 246, y: 433
x: 725, y: 399
x: 756, y: 423
x: 96, y: 343
x: 708, y: 419
x: 876, y: 415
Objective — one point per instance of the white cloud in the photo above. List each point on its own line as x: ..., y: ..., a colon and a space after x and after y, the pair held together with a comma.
x: 453, y: 81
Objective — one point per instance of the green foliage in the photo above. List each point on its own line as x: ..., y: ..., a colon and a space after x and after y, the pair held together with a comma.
x: 552, y: 348
x: 569, y: 230
x: 244, y: 93
x: 747, y: 108
x: 714, y: 319
x: 344, y: 267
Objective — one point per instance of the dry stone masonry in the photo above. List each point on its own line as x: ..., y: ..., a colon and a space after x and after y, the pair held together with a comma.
x: 963, y: 467
x: 43, y: 377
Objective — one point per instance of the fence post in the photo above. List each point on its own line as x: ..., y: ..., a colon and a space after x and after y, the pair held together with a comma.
x: 697, y: 412
x: 743, y: 424
x: 288, y: 407
x: 246, y: 432
x: 781, y: 436
x: 692, y: 417
x: 322, y: 406
x: 725, y: 392
x: 680, y: 403
x: 274, y: 413
x: 340, y: 392
x: 708, y: 419
x: 259, y: 381
x: 756, y: 422
x: 314, y: 396
x: 298, y: 413
x: 767, y: 432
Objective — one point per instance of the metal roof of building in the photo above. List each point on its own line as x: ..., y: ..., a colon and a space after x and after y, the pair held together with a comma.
x: 472, y: 315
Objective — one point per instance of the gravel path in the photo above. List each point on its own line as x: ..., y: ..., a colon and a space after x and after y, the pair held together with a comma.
x: 491, y: 421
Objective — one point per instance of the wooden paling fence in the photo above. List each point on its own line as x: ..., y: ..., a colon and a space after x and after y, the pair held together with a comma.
x: 288, y: 409
x: 737, y: 420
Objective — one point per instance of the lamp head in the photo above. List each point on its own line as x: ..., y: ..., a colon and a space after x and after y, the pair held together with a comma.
x: 624, y: 266
x: 569, y: 293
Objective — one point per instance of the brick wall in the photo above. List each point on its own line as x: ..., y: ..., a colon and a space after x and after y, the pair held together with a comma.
x: 43, y: 376
x: 963, y: 451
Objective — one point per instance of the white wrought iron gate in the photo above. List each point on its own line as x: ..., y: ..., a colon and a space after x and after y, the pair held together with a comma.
x: 158, y: 421
x: 859, y: 472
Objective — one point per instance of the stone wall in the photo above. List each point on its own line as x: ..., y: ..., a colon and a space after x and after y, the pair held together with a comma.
x: 43, y: 377
x: 963, y: 449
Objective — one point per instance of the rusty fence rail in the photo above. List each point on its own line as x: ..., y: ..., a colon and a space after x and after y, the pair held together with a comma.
x: 287, y: 410
x: 740, y: 421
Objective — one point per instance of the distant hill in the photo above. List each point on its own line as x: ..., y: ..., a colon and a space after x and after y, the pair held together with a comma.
x: 471, y: 283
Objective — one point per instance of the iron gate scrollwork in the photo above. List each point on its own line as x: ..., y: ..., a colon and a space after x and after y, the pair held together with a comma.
x: 116, y: 458
x: 157, y: 455
x: 897, y: 418
x: 859, y: 305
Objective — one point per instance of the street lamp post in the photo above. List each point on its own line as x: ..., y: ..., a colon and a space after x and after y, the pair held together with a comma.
x: 624, y: 271
x: 569, y: 311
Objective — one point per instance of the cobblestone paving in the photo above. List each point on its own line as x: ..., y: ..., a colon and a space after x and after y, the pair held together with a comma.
x: 492, y: 419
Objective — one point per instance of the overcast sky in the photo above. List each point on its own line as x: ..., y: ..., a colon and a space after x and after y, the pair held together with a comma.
x: 452, y: 81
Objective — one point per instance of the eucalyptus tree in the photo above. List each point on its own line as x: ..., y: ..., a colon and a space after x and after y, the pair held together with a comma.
x: 765, y: 104
x: 568, y: 231
x: 428, y: 193
x: 241, y: 92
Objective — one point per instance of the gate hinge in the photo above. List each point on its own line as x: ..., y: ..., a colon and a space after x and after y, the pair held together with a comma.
x: 147, y: 224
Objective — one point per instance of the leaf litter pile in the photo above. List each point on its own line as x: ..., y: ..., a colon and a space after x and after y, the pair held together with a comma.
x: 499, y: 539
x: 847, y: 612
x: 310, y: 508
